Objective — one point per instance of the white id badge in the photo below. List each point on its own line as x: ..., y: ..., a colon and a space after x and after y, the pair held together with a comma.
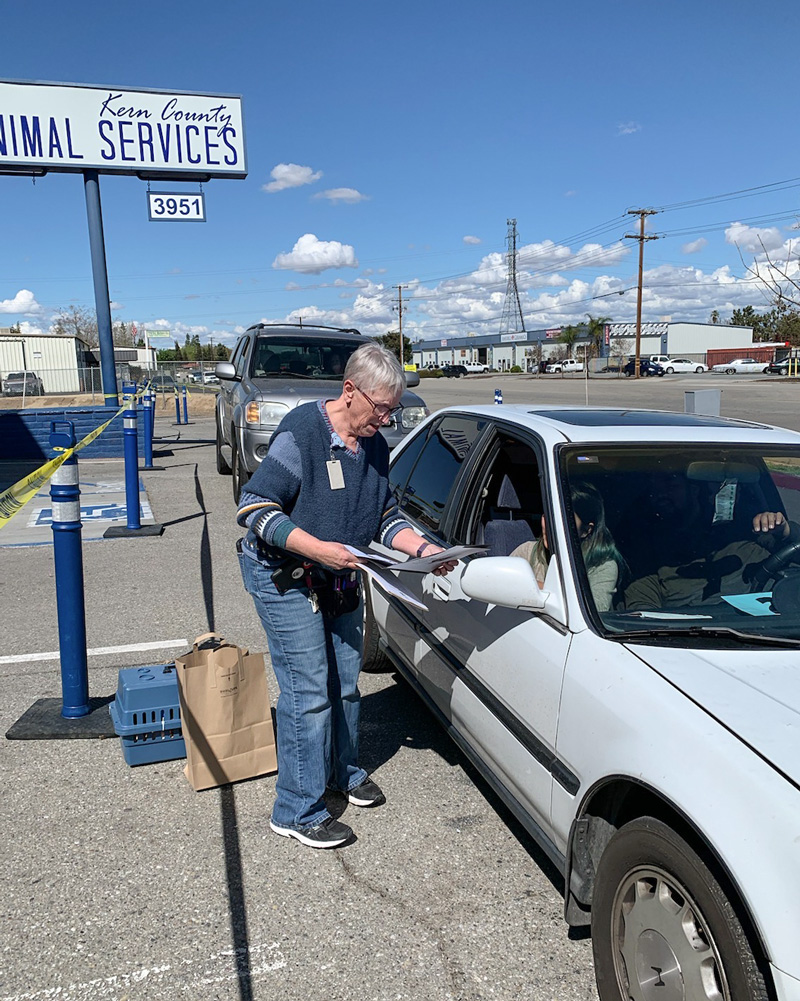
x: 335, y: 474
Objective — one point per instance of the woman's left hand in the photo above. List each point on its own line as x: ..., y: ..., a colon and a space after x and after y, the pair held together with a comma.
x: 443, y: 568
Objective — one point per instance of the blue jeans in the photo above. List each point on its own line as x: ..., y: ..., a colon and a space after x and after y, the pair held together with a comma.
x: 317, y: 662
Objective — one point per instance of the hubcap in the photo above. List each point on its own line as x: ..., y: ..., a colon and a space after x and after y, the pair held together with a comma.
x: 663, y: 948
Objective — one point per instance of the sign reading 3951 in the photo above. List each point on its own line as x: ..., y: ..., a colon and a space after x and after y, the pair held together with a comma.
x: 176, y: 206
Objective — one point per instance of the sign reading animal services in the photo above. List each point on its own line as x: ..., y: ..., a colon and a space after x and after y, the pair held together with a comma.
x: 66, y: 127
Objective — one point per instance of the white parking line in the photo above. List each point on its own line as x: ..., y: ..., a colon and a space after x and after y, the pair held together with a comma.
x: 167, y: 980
x: 98, y: 651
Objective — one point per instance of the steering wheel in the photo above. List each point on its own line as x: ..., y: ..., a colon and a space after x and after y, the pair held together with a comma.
x: 773, y: 566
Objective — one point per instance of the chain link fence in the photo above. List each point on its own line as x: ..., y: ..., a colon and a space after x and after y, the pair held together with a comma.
x: 32, y: 387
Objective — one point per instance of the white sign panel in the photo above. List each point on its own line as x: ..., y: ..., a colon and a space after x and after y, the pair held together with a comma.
x: 68, y: 127
x: 176, y: 206
x: 519, y: 336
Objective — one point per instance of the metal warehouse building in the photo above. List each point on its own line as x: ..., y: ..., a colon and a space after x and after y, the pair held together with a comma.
x: 59, y: 360
x: 523, y: 348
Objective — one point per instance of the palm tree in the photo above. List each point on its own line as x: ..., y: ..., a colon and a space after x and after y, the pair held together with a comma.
x: 568, y: 336
x: 596, y: 327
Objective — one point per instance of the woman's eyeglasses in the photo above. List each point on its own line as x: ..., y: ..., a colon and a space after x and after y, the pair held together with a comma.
x: 380, y: 409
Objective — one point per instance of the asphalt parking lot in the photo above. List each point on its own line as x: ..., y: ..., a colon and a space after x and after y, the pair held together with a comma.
x: 125, y: 884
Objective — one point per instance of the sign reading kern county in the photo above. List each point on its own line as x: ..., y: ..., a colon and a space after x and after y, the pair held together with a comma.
x: 69, y: 127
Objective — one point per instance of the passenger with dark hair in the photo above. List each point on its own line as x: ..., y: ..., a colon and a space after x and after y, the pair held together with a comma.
x: 604, y: 564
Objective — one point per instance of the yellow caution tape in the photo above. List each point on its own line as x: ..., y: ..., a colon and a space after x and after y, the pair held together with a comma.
x: 17, y: 496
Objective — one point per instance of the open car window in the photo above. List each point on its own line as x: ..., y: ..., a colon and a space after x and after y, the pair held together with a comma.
x: 672, y: 536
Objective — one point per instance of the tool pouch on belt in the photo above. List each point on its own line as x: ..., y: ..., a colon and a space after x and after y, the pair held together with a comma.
x: 332, y: 594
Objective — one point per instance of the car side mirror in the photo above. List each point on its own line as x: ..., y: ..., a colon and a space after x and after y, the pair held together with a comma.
x: 503, y: 580
x: 412, y: 379
x: 224, y: 370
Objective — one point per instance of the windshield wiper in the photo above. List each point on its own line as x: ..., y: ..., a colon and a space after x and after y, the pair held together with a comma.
x: 705, y: 632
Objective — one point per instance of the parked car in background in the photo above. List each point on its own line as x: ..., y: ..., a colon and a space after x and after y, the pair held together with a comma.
x: 647, y: 739
x: 162, y: 381
x: 275, y: 368
x: 646, y: 367
x: 778, y: 367
x: 739, y: 365
x: 454, y: 371
x: 565, y: 365
x: 475, y: 367
x: 679, y: 365
x: 210, y: 378
x: 22, y: 384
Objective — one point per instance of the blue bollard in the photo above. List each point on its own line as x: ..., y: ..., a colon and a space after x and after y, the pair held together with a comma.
x: 148, y: 403
x: 130, y: 442
x: 177, y: 408
x: 65, y: 497
x: 185, y: 406
x: 498, y: 396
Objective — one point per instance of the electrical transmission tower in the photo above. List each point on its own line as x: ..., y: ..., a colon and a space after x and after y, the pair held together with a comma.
x: 512, y: 310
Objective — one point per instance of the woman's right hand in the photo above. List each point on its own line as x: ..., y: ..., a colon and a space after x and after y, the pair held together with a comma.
x: 334, y: 555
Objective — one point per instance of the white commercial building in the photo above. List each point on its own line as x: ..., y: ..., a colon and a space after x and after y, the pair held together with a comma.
x: 60, y: 360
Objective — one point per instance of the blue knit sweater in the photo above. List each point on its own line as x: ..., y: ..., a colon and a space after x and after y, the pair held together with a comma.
x: 291, y: 488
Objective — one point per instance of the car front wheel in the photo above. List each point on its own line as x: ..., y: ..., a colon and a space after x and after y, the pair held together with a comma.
x: 730, y: 371
x: 670, y: 370
x: 699, y: 369
x: 222, y: 463
x: 660, y: 919
x: 238, y: 475
x: 373, y: 660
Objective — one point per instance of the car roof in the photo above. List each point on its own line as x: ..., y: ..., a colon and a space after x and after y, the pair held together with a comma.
x: 615, y: 424
x: 303, y: 328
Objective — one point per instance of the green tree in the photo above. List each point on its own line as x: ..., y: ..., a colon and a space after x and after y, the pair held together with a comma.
x: 568, y: 336
x: 714, y: 316
x: 596, y: 329
x: 781, y: 323
x: 391, y: 341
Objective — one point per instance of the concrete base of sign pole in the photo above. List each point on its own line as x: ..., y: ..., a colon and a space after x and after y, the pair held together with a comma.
x: 43, y: 721
x: 123, y: 532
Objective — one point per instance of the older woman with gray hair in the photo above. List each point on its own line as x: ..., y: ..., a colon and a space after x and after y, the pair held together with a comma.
x: 323, y: 485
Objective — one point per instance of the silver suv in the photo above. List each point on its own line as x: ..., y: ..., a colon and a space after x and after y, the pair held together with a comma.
x: 276, y: 367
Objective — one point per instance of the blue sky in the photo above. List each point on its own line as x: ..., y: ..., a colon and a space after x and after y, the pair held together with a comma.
x: 388, y: 144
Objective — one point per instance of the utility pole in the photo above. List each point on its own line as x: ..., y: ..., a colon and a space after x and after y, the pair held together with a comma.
x: 641, y: 238
x: 400, y: 309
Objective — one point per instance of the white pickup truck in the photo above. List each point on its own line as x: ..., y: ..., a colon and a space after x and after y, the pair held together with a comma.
x: 474, y: 367
x: 565, y: 365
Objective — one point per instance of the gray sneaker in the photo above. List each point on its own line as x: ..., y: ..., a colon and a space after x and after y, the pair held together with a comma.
x: 329, y: 833
x: 367, y: 794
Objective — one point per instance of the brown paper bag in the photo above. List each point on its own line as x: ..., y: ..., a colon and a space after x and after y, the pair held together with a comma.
x: 225, y: 713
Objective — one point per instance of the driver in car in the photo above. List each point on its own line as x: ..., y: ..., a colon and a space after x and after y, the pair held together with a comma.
x: 731, y: 569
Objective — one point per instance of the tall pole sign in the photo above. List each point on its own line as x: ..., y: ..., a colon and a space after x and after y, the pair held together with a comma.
x: 152, y: 134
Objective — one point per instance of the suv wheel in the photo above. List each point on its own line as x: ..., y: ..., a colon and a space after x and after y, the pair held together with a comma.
x: 237, y: 481
x: 222, y: 464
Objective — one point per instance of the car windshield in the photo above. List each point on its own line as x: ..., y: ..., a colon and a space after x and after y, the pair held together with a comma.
x: 665, y: 539
x: 17, y: 375
x: 298, y: 357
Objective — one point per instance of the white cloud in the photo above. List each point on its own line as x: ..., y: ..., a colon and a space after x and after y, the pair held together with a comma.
x: 695, y: 246
x: 570, y: 194
x: 116, y: 306
x: 312, y: 256
x: 290, y: 175
x: 472, y: 239
x: 23, y: 302
x: 30, y: 329
x: 628, y: 128
x: 753, y: 239
x: 347, y: 195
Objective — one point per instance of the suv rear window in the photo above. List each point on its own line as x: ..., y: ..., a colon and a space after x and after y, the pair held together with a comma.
x: 298, y: 357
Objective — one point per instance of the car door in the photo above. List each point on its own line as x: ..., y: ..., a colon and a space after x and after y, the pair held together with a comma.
x: 505, y: 666
x: 423, y: 476
x: 228, y: 386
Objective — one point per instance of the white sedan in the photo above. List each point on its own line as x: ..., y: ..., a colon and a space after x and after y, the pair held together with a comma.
x: 740, y: 365
x: 683, y: 365
x: 631, y: 693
